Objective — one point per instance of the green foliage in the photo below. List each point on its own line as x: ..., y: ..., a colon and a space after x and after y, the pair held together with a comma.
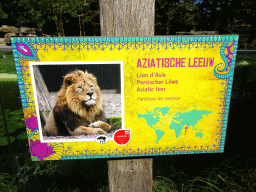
x: 45, y: 14
x: 164, y: 184
x: 4, y: 178
x: 170, y: 16
x: 10, y: 95
x: 115, y: 122
x: 15, y: 125
x: 32, y: 11
x: 228, y: 176
x: 30, y: 170
x: 6, y: 183
x: 104, y: 188
x: 3, y: 15
x: 178, y: 16
x: 7, y: 64
x: 245, y: 70
x: 246, y: 10
x: 233, y: 174
x: 39, y: 12
x: 22, y: 136
x: 36, y: 168
x: 250, y: 59
x: 207, y: 15
x: 3, y: 140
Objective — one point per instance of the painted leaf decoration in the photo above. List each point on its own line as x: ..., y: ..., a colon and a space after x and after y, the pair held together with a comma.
x: 40, y: 150
x: 23, y: 49
x: 31, y: 123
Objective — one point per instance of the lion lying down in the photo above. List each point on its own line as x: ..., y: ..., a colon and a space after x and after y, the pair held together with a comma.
x: 78, y: 110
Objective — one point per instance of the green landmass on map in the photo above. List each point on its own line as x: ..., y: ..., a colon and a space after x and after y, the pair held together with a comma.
x: 152, y: 118
x: 187, y: 118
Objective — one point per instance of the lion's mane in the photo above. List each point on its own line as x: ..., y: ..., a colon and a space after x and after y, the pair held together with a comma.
x: 79, y: 103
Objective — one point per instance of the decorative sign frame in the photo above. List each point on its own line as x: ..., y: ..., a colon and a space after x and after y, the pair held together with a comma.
x: 175, y: 93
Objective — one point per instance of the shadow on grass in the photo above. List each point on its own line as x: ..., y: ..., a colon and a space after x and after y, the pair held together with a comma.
x: 241, y: 122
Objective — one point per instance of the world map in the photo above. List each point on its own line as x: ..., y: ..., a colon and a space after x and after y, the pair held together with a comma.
x: 187, y: 119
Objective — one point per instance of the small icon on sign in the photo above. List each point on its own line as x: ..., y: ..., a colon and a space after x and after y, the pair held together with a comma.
x: 122, y: 137
x: 101, y: 139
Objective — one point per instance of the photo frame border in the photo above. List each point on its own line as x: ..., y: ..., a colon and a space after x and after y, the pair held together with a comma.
x: 31, y: 64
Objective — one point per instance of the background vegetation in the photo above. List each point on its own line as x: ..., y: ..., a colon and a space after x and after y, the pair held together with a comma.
x: 80, y: 17
x: 53, y: 17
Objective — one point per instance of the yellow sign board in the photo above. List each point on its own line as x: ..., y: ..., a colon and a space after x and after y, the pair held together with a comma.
x: 173, y: 93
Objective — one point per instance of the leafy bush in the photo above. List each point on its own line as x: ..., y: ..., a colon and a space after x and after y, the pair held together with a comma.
x: 15, y: 125
x: 10, y: 95
x: 39, y: 173
x: 115, y: 122
x: 233, y: 174
x: 6, y: 183
x: 37, y: 168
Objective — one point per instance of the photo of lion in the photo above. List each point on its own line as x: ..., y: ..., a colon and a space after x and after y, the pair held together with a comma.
x: 78, y: 109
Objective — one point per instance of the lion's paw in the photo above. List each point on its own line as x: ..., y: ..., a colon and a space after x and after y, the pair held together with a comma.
x: 98, y: 131
x: 100, y: 124
x: 96, y: 124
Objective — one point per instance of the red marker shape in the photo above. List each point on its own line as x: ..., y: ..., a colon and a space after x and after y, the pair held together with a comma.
x: 186, y: 130
x: 122, y: 137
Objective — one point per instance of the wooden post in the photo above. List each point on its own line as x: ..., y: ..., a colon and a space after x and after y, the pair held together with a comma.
x: 128, y: 18
x: 130, y: 175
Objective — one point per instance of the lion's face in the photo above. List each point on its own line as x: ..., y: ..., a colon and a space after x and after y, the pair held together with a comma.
x: 85, y: 92
x: 82, y: 92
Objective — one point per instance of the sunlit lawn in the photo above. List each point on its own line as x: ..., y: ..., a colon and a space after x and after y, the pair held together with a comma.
x: 7, y: 64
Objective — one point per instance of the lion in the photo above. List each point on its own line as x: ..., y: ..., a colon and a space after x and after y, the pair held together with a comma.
x: 78, y: 110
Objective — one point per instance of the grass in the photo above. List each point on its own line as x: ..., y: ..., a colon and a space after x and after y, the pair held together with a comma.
x: 225, y: 177
x: 7, y: 64
x: 232, y: 175
x: 115, y: 122
x: 251, y: 59
x: 245, y: 71
x: 10, y: 92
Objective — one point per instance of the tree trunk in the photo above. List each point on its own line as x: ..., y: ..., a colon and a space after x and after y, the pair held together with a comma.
x: 128, y: 18
x: 80, y: 25
x: 42, y: 95
x: 130, y: 175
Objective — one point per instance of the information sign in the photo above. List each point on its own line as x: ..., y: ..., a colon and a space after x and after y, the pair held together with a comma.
x: 172, y: 92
